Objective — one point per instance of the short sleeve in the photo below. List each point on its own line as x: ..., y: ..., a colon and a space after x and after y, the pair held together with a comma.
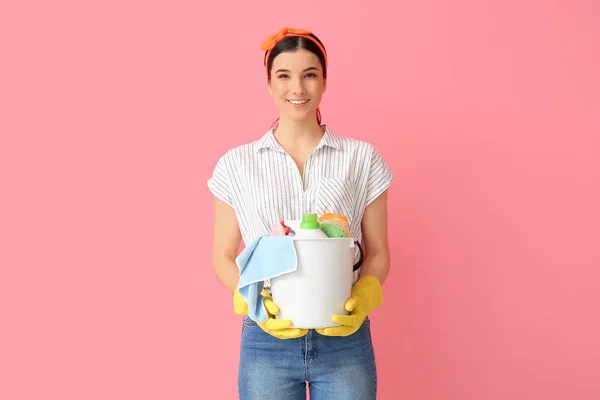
x: 219, y: 183
x: 380, y: 177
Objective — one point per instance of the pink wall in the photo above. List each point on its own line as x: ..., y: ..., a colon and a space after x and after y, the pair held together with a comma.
x: 114, y: 114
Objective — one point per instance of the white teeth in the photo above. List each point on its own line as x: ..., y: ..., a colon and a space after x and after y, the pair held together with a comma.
x: 297, y: 102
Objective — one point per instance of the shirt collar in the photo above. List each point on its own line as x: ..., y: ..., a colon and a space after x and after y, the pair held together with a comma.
x: 268, y: 141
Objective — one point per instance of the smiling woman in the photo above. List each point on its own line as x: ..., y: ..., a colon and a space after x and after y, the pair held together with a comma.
x: 297, y: 84
x: 300, y: 166
x: 303, y: 49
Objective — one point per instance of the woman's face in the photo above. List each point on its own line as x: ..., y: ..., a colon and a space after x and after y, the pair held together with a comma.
x: 297, y: 84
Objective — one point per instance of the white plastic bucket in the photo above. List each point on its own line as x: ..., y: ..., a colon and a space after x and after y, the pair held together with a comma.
x: 321, y: 284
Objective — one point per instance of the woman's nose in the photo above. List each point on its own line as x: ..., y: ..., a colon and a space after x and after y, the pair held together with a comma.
x: 298, y: 86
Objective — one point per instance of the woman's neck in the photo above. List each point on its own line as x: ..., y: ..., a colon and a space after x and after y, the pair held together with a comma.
x: 298, y: 134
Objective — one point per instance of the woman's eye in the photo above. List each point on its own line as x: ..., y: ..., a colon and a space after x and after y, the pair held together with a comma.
x: 283, y: 76
x: 311, y: 75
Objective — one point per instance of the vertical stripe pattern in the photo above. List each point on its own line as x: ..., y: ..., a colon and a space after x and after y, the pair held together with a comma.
x: 262, y: 183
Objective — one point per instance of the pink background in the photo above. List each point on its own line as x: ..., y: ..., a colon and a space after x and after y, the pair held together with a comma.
x: 113, y: 115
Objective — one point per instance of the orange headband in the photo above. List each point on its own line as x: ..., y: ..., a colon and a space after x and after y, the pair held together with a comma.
x: 270, y: 42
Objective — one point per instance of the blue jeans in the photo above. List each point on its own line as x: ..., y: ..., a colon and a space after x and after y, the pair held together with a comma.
x: 334, y: 367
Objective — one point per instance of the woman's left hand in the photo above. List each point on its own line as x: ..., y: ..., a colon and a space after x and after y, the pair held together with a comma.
x: 365, y: 297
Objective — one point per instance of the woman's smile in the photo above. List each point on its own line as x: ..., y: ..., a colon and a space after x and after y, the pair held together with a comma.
x: 298, y: 103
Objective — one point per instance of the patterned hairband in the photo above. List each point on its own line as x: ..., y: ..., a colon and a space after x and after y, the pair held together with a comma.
x: 270, y: 42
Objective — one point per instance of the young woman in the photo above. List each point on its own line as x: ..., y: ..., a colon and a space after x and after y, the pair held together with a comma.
x: 301, y: 166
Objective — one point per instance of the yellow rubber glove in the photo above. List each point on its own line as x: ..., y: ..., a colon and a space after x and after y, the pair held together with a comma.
x: 365, y: 297
x: 240, y: 307
x: 279, y: 328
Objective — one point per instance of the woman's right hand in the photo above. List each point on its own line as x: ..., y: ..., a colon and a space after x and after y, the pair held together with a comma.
x: 240, y: 306
x: 279, y: 328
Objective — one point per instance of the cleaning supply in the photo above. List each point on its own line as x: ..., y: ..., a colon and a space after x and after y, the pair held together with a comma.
x: 366, y: 296
x: 321, y: 284
x: 338, y: 219
x: 333, y: 216
x: 264, y: 258
x: 333, y: 230
x: 281, y: 230
x: 279, y: 328
x: 310, y: 228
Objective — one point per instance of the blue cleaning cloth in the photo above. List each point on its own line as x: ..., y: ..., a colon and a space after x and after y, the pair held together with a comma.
x: 265, y: 258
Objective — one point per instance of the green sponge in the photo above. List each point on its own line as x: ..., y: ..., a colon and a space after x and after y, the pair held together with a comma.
x: 331, y: 229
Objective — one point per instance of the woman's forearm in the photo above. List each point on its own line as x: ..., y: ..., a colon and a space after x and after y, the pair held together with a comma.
x: 377, y: 265
x: 227, y: 272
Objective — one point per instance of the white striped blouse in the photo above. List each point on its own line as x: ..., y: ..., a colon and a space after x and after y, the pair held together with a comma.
x: 262, y: 183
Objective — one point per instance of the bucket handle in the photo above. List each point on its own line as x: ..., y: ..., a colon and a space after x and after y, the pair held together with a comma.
x: 362, y: 256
